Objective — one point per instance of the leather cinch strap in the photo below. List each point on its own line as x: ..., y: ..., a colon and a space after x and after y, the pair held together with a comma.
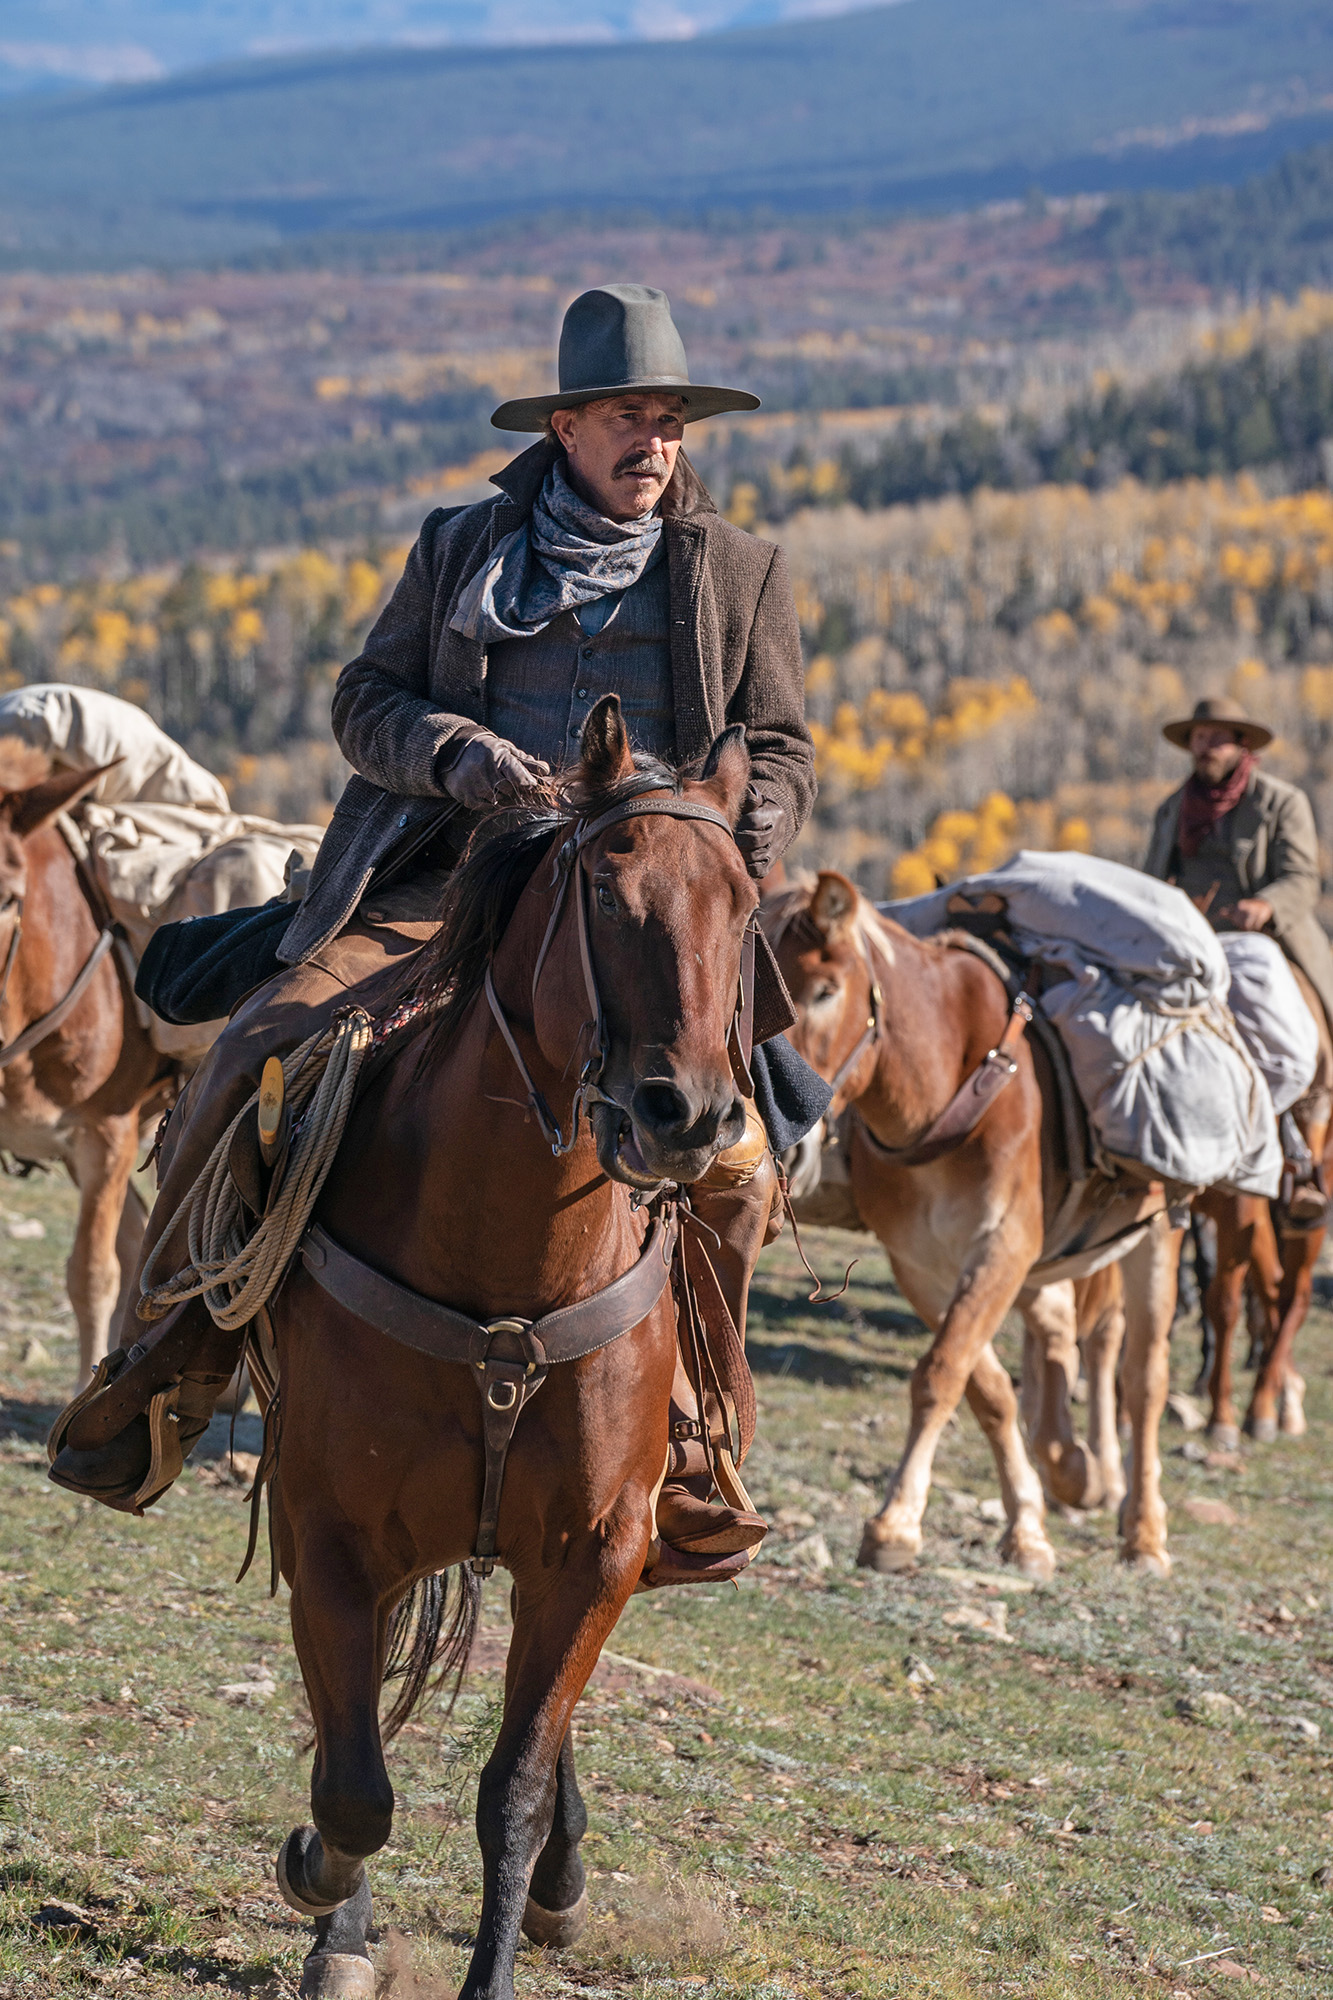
x: 509, y: 1356
x: 969, y: 1103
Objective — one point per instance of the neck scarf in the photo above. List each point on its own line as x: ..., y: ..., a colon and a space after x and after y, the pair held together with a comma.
x: 566, y: 554
x: 1204, y: 807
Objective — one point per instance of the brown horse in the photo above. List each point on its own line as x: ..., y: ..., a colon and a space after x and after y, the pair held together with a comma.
x: 1277, y: 1270
x: 902, y: 1023
x: 79, y: 1077
x: 445, y: 1182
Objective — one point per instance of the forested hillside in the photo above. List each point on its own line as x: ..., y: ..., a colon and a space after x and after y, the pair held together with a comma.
x: 939, y: 101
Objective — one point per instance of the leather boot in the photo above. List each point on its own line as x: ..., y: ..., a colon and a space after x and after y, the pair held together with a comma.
x: 1303, y: 1202
x: 691, y: 1518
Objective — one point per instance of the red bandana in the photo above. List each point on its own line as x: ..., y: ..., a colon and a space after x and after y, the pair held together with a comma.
x: 1204, y: 807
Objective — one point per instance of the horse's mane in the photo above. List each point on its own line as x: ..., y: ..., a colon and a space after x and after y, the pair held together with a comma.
x: 497, y: 865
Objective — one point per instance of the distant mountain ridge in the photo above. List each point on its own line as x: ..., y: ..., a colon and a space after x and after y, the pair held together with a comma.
x: 945, y: 101
x: 50, y: 44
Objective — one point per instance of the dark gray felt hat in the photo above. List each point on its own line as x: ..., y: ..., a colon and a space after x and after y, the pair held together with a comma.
x: 615, y: 338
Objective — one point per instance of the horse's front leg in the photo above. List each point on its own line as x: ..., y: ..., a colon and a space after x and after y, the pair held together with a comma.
x: 529, y: 1815
x: 988, y: 1286
x: 1050, y: 1319
x: 1102, y: 1330
x: 101, y: 1162
x: 1150, y: 1296
x: 1234, y: 1216
x: 1278, y: 1400
x: 557, y: 1905
x: 991, y: 1397
x: 339, y: 1623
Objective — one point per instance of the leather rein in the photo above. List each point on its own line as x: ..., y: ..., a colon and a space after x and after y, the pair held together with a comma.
x: 509, y: 1357
x: 969, y: 1103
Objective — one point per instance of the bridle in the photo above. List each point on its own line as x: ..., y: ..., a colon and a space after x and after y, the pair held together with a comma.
x: 873, y: 1029
x: 586, y: 831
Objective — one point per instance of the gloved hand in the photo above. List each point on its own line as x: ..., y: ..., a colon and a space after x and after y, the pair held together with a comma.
x: 764, y: 833
x: 482, y: 770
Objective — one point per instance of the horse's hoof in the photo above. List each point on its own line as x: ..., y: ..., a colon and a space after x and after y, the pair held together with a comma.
x: 1030, y: 1555
x: 888, y: 1558
x: 292, y: 1850
x: 1291, y: 1407
x: 337, y: 1975
x: 1262, y: 1429
x: 1148, y: 1562
x: 1224, y: 1437
x: 556, y: 1929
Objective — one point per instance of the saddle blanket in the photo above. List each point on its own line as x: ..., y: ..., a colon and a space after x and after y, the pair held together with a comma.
x: 160, y: 836
x: 1136, y: 984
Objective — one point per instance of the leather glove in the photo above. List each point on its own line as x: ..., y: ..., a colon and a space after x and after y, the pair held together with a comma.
x: 482, y: 770
x: 764, y: 833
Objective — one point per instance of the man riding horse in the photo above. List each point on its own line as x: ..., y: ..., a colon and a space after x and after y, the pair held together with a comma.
x: 1243, y: 847
x: 602, y: 567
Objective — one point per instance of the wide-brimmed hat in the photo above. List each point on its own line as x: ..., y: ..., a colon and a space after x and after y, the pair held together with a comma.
x: 615, y: 338
x: 1222, y: 709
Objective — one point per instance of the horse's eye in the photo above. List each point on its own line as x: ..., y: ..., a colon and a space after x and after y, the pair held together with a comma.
x: 824, y: 991
x: 606, y: 902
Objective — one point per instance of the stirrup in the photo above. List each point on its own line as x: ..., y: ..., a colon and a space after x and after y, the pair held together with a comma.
x: 168, y: 1460
x: 106, y: 1370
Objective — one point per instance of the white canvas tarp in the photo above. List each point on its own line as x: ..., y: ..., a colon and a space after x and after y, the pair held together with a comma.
x: 161, y: 837
x: 1270, y: 1011
x: 1136, y: 986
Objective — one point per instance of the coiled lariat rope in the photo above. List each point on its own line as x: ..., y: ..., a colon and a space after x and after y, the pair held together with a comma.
x: 238, y: 1264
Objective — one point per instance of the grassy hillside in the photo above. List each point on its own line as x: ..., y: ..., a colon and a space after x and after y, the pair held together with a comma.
x: 957, y: 99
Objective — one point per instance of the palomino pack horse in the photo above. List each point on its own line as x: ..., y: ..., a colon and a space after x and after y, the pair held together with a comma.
x: 978, y: 1214
x: 79, y: 1078
x: 625, y: 916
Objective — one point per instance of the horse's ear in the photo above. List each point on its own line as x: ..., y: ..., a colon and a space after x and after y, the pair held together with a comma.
x: 727, y: 769
x: 833, y: 905
x: 607, y: 758
x: 25, y: 811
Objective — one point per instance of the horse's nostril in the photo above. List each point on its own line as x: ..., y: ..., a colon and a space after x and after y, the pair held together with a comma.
x: 662, y: 1108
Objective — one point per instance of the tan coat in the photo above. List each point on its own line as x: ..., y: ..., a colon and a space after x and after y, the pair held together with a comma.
x: 1275, y: 851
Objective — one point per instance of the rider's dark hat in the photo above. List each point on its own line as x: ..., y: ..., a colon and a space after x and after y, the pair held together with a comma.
x: 615, y: 338
x: 1222, y: 709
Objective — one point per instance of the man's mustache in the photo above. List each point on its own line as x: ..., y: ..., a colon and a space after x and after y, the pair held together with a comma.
x: 645, y: 462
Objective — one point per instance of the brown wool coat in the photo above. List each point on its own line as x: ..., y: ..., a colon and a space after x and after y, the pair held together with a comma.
x: 1275, y: 850
x: 735, y: 656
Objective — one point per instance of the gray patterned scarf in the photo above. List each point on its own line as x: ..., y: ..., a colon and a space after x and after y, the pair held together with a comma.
x: 566, y: 554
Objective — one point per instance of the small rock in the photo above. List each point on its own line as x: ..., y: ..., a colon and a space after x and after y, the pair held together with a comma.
x: 1209, y: 1705
x: 27, y: 1229
x: 255, y: 1685
x: 794, y: 1517
x: 812, y: 1553
x: 992, y: 1621
x: 992, y: 1509
x: 34, y: 1355
x: 1183, y: 1410
x: 1301, y: 1725
x: 920, y: 1675
x: 1223, y: 1461
x: 55, y: 1916
x: 1213, y: 1513
x: 1192, y: 1451
x: 1322, y: 1877
x: 963, y: 1503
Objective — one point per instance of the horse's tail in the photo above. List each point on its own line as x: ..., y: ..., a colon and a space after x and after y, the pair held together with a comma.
x: 421, y: 1644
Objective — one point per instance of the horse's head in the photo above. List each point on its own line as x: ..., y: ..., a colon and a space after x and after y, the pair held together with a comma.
x: 24, y: 810
x: 818, y: 940
x: 667, y: 902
